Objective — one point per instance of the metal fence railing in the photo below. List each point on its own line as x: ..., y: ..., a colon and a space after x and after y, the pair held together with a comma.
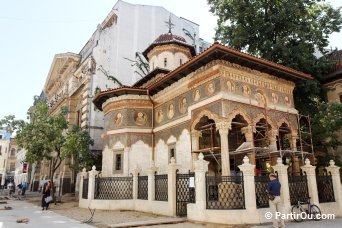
x: 143, y: 187
x: 298, y: 187
x: 225, y: 192
x: 261, y: 195
x: 161, y: 187
x: 325, y: 189
x: 85, y: 188
x: 113, y: 188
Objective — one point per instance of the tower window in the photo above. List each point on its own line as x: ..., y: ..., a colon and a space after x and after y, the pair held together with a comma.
x: 165, y: 62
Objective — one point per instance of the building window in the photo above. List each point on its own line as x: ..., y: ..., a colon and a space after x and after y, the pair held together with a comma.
x: 1, y: 136
x: 180, y: 61
x: 165, y: 62
x: 172, y: 152
x: 118, y: 161
x: 0, y: 150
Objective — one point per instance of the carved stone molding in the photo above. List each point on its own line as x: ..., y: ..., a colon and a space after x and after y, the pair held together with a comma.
x: 241, y: 112
x: 207, y: 113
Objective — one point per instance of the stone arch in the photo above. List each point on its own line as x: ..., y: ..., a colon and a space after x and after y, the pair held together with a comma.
x: 207, y: 113
x: 241, y: 112
x: 260, y: 116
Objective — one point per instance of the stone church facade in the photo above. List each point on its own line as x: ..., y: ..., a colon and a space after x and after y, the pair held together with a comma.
x: 215, y: 103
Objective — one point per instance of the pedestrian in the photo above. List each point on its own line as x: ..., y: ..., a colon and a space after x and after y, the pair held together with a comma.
x: 273, y: 189
x: 23, y: 188
x: 46, y: 193
x: 11, y: 188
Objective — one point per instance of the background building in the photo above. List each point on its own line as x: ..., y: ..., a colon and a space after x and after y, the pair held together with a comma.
x: 111, y: 58
x: 4, y: 151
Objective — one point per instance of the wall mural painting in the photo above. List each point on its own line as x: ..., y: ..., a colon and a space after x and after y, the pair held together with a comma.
x: 118, y: 119
x: 197, y: 95
x: 275, y: 98
x: 287, y: 101
x: 246, y: 90
x: 230, y: 86
x: 171, y: 111
x: 183, y: 105
x: 260, y: 99
x: 140, y: 118
x: 160, y: 116
x: 210, y: 88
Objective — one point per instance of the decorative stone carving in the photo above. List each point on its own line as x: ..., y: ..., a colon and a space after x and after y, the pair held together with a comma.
x: 210, y: 88
x: 118, y: 119
x: 241, y: 112
x: 223, y: 127
x: 171, y: 111
x: 140, y: 118
x: 159, y: 116
x: 230, y: 86
x: 183, y: 106
x: 207, y: 113
x: 197, y: 95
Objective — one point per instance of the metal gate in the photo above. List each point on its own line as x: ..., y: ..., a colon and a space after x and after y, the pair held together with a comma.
x: 185, y: 192
x: 298, y: 186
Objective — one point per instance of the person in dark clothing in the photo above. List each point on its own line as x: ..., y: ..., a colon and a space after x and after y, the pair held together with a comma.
x: 273, y: 188
x: 46, y: 193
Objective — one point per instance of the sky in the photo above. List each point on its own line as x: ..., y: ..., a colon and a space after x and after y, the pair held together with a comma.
x: 32, y: 32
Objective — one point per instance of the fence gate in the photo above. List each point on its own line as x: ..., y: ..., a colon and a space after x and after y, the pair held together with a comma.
x: 298, y: 186
x: 185, y: 192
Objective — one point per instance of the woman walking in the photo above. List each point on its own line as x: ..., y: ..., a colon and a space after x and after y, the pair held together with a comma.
x: 46, y: 193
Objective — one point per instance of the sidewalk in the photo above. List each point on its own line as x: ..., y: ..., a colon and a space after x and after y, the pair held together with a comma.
x: 37, y: 217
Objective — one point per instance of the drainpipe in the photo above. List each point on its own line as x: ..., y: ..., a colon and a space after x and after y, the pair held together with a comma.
x: 152, y: 123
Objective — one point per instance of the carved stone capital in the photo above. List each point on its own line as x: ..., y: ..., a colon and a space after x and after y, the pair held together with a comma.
x: 223, y: 127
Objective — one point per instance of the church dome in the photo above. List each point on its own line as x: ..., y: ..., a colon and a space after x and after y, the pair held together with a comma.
x: 169, y: 38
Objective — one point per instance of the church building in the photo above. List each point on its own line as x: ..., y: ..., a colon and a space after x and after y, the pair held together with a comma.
x: 222, y: 102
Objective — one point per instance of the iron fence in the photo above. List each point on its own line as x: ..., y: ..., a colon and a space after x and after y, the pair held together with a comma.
x: 298, y: 186
x: 161, y: 188
x: 143, y: 187
x: 225, y: 192
x: 113, y: 188
x: 325, y: 189
x: 85, y: 188
x: 185, y: 192
x: 261, y: 191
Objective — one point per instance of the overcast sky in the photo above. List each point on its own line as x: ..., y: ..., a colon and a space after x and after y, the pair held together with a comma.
x: 33, y: 31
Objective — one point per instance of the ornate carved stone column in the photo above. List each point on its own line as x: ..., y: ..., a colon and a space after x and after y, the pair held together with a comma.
x: 293, y: 140
x: 171, y: 182
x: 195, y: 135
x: 223, y: 128
x: 312, y: 184
x: 91, y: 184
x: 248, y: 132
x: 335, y: 175
x: 281, y: 169
x: 249, y: 185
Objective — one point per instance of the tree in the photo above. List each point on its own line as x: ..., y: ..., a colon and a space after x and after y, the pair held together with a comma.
x: 46, y: 137
x: 286, y: 32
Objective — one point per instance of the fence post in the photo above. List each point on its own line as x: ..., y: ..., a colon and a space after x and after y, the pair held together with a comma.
x: 201, y: 168
x: 135, y: 173
x: 151, y: 185
x: 311, y: 178
x: 171, y: 185
x: 249, y: 185
x: 83, y: 174
x: 335, y: 175
x: 91, y: 184
x: 281, y: 169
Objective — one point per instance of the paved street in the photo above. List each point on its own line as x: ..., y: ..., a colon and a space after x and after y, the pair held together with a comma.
x: 37, y: 217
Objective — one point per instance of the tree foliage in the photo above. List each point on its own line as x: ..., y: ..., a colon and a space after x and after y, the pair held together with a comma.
x: 287, y: 32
